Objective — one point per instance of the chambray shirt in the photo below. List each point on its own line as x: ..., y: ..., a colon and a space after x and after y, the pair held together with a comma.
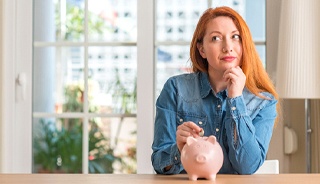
x: 189, y: 97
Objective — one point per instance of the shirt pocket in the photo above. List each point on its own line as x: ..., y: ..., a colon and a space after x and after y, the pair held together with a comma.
x: 199, y: 119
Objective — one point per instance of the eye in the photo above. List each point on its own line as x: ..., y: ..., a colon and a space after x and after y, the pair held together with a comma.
x: 236, y: 36
x: 216, y: 38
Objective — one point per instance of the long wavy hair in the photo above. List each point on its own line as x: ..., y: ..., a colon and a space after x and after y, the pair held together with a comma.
x: 257, y: 79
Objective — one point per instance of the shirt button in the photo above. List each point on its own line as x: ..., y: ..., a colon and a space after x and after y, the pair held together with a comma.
x: 175, y: 158
x: 219, y: 106
x: 233, y: 108
x: 217, y: 129
x: 200, y: 122
x: 181, y: 120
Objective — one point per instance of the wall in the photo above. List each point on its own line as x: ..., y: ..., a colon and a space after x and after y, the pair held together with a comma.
x: 315, y: 135
x: 293, y: 112
x: 1, y: 61
x: 295, y: 118
x: 276, y: 150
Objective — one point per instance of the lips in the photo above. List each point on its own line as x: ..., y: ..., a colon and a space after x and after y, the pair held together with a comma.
x: 228, y: 58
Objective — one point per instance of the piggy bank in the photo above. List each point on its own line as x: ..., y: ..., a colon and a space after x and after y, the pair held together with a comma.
x: 202, y: 157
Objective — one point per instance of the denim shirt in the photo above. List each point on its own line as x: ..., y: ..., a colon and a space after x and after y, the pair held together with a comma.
x: 189, y: 97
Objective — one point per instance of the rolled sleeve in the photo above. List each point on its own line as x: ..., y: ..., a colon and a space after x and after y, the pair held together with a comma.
x: 165, y: 150
x: 248, y: 148
x: 237, y: 107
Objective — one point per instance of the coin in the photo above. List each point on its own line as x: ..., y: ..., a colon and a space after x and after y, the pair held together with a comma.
x: 201, y: 133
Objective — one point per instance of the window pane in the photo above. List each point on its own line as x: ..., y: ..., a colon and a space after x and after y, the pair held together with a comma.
x: 262, y: 53
x: 171, y: 60
x: 255, y: 16
x: 176, y: 20
x: 57, y: 145
x: 58, y: 79
x: 112, y: 145
x: 113, y: 73
x: 111, y: 20
x: 59, y: 20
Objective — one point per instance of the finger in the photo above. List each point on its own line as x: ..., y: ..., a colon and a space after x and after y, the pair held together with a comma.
x: 233, y: 74
x: 195, y: 134
x: 232, y: 77
x: 188, y: 129
x: 183, y: 133
x: 192, y: 127
x: 227, y: 74
x: 236, y: 71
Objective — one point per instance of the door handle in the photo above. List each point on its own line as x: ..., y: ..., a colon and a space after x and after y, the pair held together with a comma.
x: 21, y: 82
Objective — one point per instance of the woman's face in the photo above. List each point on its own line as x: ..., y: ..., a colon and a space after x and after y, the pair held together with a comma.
x: 221, y: 45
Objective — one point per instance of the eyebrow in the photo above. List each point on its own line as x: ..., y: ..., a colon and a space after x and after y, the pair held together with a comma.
x: 235, y: 31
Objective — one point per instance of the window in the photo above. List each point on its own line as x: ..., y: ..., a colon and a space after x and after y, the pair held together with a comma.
x: 84, y: 86
x: 85, y: 73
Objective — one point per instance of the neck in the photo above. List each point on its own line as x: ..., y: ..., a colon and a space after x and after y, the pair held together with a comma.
x: 217, y: 82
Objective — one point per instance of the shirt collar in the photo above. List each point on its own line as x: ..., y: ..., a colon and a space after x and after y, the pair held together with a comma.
x: 206, y: 87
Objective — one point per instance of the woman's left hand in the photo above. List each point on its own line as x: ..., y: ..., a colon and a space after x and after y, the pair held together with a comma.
x: 236, y: 80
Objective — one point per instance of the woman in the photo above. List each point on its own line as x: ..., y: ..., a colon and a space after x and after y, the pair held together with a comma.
x: 228, y: 95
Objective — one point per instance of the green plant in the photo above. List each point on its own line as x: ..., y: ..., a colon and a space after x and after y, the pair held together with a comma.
x: 45, y: 148
x: 58, y: 145
x: 60, y: 150
x: 73, y: 25
x: 101, y: 158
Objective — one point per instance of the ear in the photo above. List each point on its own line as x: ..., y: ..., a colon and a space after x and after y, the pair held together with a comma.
x: 212, y: 139
x: 201, y: 50
x: 191, y: 140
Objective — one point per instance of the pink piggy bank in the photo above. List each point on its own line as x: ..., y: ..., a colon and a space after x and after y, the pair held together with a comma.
x: 202, y: 157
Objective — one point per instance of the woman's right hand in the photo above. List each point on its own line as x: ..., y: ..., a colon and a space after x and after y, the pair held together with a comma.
x: 185, y: 130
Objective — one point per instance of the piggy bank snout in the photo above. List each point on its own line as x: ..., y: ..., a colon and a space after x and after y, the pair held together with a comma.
x: 201, y: 159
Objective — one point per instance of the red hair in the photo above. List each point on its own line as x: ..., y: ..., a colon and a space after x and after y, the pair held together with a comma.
x: 257, y: 79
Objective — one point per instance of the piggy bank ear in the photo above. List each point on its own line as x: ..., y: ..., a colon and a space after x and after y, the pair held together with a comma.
x: 191, y: 140
x: 212, y: 139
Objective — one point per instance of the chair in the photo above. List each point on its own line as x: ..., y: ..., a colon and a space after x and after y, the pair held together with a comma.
x: 269, y: 167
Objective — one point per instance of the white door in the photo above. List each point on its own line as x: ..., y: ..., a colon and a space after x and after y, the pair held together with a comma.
x: 16, y: 86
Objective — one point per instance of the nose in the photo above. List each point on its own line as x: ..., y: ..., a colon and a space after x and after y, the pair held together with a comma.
x: 201, y: 158
x: 227, y: 46
x: 226, y: 50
